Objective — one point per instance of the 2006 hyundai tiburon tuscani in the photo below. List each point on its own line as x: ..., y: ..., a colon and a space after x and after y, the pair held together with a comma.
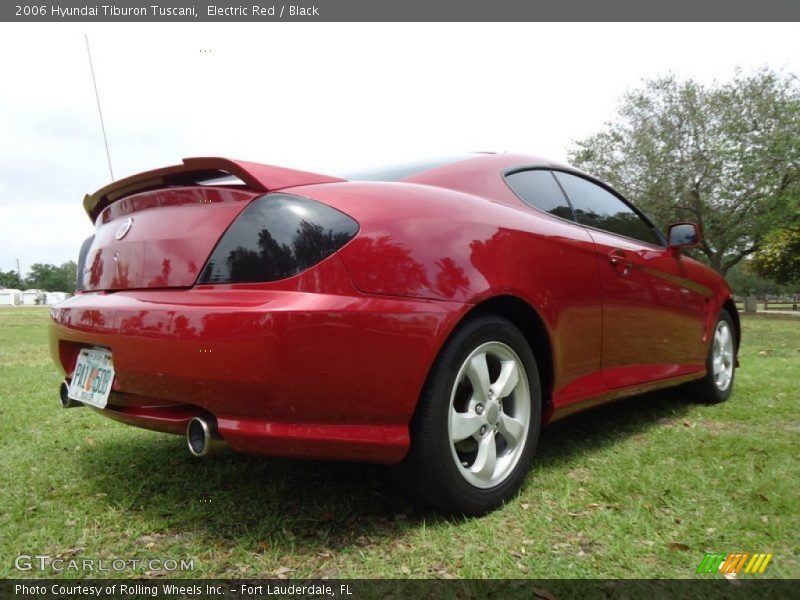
x: 433, y: 315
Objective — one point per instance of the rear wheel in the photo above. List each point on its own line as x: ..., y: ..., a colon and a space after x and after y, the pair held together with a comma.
x: 478, y: 421
x: 717, y: 385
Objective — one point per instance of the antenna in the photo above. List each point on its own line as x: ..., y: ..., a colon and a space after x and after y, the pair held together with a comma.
x: 99, y: 110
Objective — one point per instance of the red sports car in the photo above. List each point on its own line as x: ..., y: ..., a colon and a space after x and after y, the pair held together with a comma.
x: 434, y: 315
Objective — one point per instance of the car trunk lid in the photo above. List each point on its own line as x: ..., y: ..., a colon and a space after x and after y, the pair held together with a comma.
x: 157, y: 229
x: 159, y: 239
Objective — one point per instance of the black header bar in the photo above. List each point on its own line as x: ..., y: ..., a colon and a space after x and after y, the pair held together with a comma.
x: 399, y: 10
x: 711, y: 588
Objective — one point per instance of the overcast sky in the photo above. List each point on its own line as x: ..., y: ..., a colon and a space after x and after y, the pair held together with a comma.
x: 326, y: 97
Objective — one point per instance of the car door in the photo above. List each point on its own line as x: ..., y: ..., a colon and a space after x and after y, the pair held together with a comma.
x: 564, y: 263
x: 653, y: 315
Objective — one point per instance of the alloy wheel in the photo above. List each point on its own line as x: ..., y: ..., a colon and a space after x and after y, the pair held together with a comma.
x: 722, y: 356
x: 489, y: 418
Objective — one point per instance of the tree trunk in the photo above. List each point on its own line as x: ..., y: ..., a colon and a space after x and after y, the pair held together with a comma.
x: 714, y: 259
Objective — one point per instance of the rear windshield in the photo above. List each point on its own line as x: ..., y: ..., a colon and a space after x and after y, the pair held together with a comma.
x: 398, y: 172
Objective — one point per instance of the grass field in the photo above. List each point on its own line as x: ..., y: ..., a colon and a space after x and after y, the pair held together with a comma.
x: 642, y: 488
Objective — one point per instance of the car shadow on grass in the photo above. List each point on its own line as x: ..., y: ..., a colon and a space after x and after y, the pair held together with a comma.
x: 240, y: 498
x: 571, y: 439
x: 309, y: 505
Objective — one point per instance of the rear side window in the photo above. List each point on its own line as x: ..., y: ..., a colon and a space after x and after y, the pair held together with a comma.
x: 82, y: 256
x: 539, y: 189
x: 277, y: 236
x: 597, y: 207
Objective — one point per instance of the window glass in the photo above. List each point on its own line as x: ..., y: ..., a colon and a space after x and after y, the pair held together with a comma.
x: 597, y: 207
x: 539, y: 189
x: 404, y: 171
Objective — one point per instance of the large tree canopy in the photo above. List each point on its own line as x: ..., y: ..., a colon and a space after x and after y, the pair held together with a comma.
x: 52, y: 278
x: 726, y: 156
x: 779, y: 256
x: 10, y: 279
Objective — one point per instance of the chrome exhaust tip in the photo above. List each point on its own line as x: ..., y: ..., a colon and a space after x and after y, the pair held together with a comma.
x: 202, y: 436
x: 63, y: 396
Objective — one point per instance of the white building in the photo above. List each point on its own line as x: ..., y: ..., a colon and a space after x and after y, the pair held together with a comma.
x: 10, y: 297
x: 56, y: 297
x: 32, y: 297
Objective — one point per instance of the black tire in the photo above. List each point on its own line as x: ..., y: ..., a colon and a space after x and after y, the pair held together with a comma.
x: 707, y: 390
x: 431, y: 467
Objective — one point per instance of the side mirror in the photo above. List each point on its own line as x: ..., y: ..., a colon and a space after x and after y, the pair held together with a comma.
x: 684, y: 235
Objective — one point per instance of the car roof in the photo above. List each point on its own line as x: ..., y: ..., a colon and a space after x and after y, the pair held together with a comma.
x: 480, y: 174
x: 437, y: 166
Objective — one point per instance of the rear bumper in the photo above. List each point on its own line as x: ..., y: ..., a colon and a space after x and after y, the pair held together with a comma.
x: 285, y: 373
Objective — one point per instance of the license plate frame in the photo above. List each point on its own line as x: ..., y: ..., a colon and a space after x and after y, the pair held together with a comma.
x: 93, y: 377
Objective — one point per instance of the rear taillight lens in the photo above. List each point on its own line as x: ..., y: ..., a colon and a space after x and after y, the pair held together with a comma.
x: 85, y: 246
x: 277, y: 236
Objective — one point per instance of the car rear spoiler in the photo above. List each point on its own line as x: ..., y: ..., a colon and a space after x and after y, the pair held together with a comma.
x: 258, y: 177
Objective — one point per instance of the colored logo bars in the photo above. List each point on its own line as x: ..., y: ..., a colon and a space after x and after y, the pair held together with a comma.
x: 733, y: 563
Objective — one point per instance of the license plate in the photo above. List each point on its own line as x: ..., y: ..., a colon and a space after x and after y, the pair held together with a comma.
x: 94, y: 373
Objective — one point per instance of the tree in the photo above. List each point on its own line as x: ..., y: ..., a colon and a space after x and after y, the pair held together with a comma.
x: 744, y: 279
x: 10, y: 279
x: 726, y: 156
x: 52, y: 278
x: 779, y: 256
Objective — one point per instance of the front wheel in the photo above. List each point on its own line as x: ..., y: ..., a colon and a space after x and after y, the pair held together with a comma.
x: 477, y: 424
x: 717, y: 385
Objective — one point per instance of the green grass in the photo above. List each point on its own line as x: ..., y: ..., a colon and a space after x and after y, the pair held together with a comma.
x: 642, y: 488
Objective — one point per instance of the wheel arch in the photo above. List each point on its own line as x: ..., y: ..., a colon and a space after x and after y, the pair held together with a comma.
x: 730, y: 306
x: 530, y: 323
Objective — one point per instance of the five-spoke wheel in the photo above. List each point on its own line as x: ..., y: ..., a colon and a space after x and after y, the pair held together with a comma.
x: 717, y: 384
x: 478, y: 420
x: 722, y: 355
x: 490, y: 407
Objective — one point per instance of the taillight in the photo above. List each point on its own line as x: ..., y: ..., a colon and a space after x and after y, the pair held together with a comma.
x: 87, y: 243
x: 277, y: 236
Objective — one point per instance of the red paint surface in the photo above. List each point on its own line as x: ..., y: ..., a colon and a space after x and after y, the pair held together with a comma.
x: 330, y: 363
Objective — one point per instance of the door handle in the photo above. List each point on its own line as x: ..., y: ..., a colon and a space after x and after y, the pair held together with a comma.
x: 619, y: 259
